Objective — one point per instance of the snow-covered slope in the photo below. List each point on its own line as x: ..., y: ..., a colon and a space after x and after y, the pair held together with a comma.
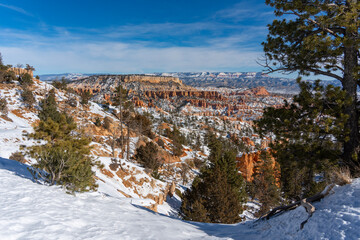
x: 34, y: 211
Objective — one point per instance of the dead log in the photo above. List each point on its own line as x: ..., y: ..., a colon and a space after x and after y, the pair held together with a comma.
x: 306, y: 202
x: 310, y: 209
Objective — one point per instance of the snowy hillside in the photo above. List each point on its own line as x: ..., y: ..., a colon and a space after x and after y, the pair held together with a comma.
x: 129, y: 181
x: 34, y: 211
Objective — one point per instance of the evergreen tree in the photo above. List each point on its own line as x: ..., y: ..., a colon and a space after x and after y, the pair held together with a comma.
x: 7, y: 76
x: 65, y: 154
x: 322, y: 38
x: 60, y: 84
x: 177, y: 140
x: 3, y: 106
x: 85, y: 97
x: 264, y: 183
x: 28, y: 97
x: 29, y: 67
x: 148, y: 156
x: 26, y: 80
x: 49, y: 107
x: 142, y: 124
x: 218, y: 193
x: 310, y: 133
x: 120, y: 97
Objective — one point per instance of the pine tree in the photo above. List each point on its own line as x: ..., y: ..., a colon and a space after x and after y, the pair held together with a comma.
x: 148, y: 156
x: 310, y: 134
x: 3, y: 106
x: 321, y: 38
x: 264, y: 183
x: 65, y: 154
x: 28, y: 97
x: 218, y: 193
x: 26, y: 80
x: 177, y: 140
x: 49, y: 107
x: 85, y: 97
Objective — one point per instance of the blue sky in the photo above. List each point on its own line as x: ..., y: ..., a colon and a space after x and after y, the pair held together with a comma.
x: 137, y: 36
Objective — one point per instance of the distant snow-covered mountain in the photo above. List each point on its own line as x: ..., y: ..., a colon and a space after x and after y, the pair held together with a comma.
x: 69, y: 76
x: 215, y: 79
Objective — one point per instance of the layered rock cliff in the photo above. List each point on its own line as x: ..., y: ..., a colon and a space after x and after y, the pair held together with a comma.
x: 20, y: 71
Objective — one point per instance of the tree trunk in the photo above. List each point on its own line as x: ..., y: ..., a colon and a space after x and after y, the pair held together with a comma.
x: 349, y: 84
x: 121, y: 120
x: 128, y: 144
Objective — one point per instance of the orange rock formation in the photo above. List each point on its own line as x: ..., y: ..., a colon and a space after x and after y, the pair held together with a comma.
x: 248, y: 164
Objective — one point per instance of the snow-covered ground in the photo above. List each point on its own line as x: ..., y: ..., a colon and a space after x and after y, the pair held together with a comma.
x: 30, y: 210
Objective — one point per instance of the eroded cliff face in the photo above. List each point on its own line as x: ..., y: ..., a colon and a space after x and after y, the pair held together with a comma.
x: 150, y: 79
x: 20, y: 71
x: 106, y: 83
x: 258, y: 91
x: 250, y: 163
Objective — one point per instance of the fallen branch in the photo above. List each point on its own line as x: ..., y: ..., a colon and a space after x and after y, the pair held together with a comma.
x: 306, y: 202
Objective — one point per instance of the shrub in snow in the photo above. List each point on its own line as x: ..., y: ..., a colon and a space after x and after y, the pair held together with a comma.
x: 148, y: 156
x: 7, y: 76
x: 85, y: 97
x: 340, y: 176
x: 26, y: 80
x: 72, y: 102
x: 3, y: 106
x: 97, y: 122
x: 18, y: 156
x: 28, y: 97
x: 65, y: 155
x: 107, y: 123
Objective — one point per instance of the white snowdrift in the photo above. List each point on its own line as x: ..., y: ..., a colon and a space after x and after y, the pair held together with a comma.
x: 32, y: 211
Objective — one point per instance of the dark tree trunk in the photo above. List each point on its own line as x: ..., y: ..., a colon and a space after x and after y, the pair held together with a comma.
x: 349, y: 84
x: 121, y: 120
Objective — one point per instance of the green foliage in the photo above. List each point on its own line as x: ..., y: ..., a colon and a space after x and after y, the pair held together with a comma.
x: 264, y: 184
x: 199, y: 163
x: 142, y: 124
x: 161, y: 143
x: 107, y: 123
x: 3, y: 106
x: 18, y: 156
x: 148, y: 156
x: 218, y: 193
x: 60, y: 84
x: 49, y: 107
x: 310, y: 133
x: 97, y: 122
x: 29, y: 68
x: 26, y: 80
x: 177, y: 140
x: 85, y: 97
x: 65, y: 154
x: 71, y: 101
x: 155, y: 174
x: 7, y: 76
x: 120, y: 97
x: 321, y: 38
x: 28, y: 97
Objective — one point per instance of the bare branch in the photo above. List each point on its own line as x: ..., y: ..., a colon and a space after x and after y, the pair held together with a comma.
x: 329, y: 74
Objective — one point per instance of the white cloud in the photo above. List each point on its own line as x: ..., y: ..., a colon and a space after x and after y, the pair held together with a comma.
x: 58, y: 50
x: 16, y: 9
x: 246, y: 11
x: 112, y: 57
